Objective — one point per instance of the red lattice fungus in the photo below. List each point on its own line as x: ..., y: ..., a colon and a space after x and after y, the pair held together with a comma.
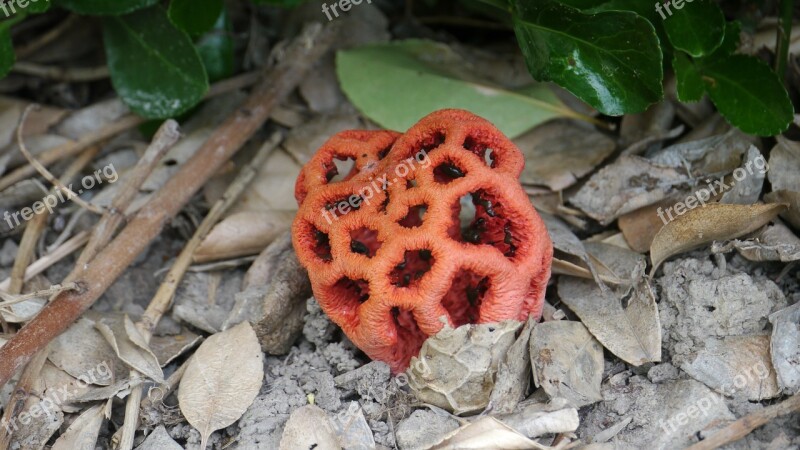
x: 387, y: 246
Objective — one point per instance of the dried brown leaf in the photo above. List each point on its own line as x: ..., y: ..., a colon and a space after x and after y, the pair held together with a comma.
x: 222, y: 380
x: 713, y: 222
x: 130, y: 346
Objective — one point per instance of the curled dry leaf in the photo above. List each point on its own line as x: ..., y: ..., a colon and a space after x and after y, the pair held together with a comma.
x: 83, y: 432
x: 712, y: 222
x: 775, y: 243
x: 536, y: 419
x: 513, y: 374
x: 130, y: 346
x: 222, y: 380
x: 567, y: 362
x: 747, y: 190
x: 243, y: 233
x: 82, y: 338
x: 784, y: 165
x: 456, y: 368
x: 791, y: 198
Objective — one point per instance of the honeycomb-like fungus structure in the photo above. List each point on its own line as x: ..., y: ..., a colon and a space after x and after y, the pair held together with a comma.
x: 425, y: 224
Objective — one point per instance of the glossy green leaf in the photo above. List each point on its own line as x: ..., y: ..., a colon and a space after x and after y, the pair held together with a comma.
x: 216, y: 49
x: 104, y: 7
x: 395, y: 84
x: 7, y: 57
x: 730, y: 43
x: 696, y: 27
x: 611, y: 60
x: 194, y: 16
x: 689, y: 83
x: 154, y: 66
x: 748, y: 94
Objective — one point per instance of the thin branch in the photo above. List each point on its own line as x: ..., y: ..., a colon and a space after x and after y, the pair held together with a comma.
x: 147, y: 224
x: 164, y: 139
x: 744, y: 426
x: 166, y: 291
x: 783, y: 37
x: 65, y: 74
x: 11, y: 299
x: 43, y: 170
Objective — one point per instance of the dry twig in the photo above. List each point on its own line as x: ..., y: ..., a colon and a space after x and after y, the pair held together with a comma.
x: 109, y: 264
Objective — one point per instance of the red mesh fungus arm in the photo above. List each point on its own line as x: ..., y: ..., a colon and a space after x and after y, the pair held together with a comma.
x: 388, y: 248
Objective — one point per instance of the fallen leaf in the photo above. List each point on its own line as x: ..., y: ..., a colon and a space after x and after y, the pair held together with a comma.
x: 309, y: 427
x: 712, y: 222
x: 83, y: 432
x: 159, y: 439
x: 624, y: 319
x: 775, y: 243
x: 560, y: 152
x: 222, y: 380
x: 484, y: 433
x: 791, y: 198
x: 785, y: 348
x: 130, y: 346
x: 784, y: 165
x: 567, y: 362
x: 167, y: 348
x: 536, y: 419
x: 243, y: 233
x: 747, y: 190
x: 639, y: 227
x: 513, y: 374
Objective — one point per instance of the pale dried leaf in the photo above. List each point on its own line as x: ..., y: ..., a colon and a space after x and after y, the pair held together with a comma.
x: 485, y: 433
x: 784, y: 165
x: 737, y: 366
x: 159, y: 439
x: 713, y: 222
x: 351, y: 428
x: 309, y: 427
x: 536, y: 419
x: 83, y: 432
x: 130, y: 346
x: 625, y: 320
x: 785, y: 348
x: 627, y: 184
x: 167, y: 348
x: 567, y: 362
x: 82, y: 338
x: 747, y: 190
x: 513, y: 374
x: 222, y: 380
x: 559, y: 152
x: 775, y: 243
x: 243, y: 233
x: 791, y: 198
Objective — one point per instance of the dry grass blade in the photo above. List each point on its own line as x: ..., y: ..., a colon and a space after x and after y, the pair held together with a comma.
x: 700, y: 226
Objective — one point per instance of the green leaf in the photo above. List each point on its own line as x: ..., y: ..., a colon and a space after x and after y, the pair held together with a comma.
x: 104, y: 7
x: 611, y: 60
x: 730, y: 43
x: 154, y: 66
x: 216, y: 49
x: 696, y: 28
x: 748, y: 94
x: 7, y: 56
x: 397, y: 83
x: 194, y: 16
x: 38, y: 6
x: 689, y: 83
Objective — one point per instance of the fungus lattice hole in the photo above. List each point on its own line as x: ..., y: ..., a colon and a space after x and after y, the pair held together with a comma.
x: 364, y: 241
x: 340, y: 169
x: 463, y: 300
x: 351, y: 293
x: 415, y: 216
x: 322, y: 245
x: 478, y: 147
x: 382, y: 154
x: 485, y: 222
x: 409, y: 336
x: 339, y: 207
x: 411, y: 183
x: 447, y: 172
x: 410, y: 270
x: 431, y: 142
